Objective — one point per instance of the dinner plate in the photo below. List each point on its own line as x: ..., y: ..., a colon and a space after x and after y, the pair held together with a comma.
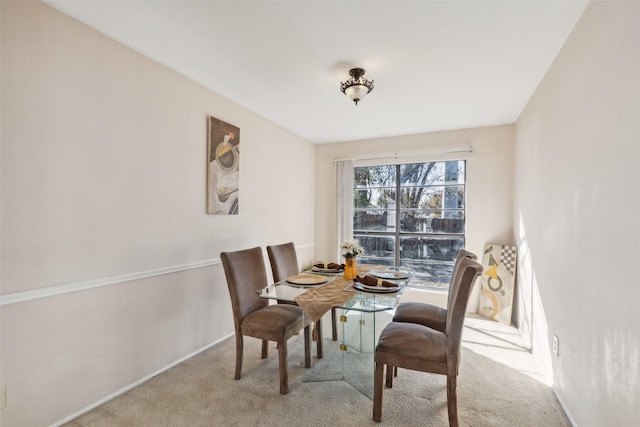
x: 390, y: 274
x: 363, y: 287
x: 307, y: 279
x: 325, y: 270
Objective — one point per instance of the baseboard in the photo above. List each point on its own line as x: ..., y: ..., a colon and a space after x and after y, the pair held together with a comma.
x: 564, y: 408
x: 137, y: 383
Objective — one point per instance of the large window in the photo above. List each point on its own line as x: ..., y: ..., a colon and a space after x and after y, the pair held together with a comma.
x: 411, y: 215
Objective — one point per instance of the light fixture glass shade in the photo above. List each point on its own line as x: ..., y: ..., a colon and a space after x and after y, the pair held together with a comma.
x: 357, y: 87
x: 356, y: 92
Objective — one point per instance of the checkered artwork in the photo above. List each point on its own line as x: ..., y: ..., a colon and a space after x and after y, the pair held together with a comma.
x: 498, y: 279
x: 508, y: 258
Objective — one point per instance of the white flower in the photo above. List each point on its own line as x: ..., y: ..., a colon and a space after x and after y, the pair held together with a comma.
x: 351, y: 249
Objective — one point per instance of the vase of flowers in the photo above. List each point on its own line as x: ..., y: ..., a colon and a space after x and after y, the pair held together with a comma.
x: 350, y: 250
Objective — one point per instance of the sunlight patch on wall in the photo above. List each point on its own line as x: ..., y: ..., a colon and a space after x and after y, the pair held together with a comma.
x: 531, y: 317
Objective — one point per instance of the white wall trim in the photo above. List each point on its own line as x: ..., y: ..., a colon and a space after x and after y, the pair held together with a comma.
x: 137, y: 383
x: 564, y: 407
x: 50, y: 291
x: 66, y: 288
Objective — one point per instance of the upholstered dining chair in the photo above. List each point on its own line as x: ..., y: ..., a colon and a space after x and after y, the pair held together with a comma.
x: 284, y: 263
x: 426, y: 314
x: 255, y: 317
x: 420, y: 348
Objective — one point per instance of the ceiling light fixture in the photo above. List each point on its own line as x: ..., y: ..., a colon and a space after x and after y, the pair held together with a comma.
x: 357, y: 87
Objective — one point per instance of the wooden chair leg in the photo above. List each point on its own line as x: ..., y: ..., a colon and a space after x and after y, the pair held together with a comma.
x: 265, y: 349
x: 239, y: 344
x: 282, y: 366
x: 334, y: 325
x: 395, y: 371
x: 307, y: 346
x: 389, y: 380
x: 377, y: 392
x: 319, y: 343
x: 452, y: 400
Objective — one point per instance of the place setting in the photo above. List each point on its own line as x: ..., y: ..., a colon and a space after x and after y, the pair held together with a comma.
x: 308, y: 279
x: 327, y: 267
x: 391, y: 274
x: 370, y: 283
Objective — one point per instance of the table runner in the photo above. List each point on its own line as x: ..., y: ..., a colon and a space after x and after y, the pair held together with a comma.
x: 317, y: 301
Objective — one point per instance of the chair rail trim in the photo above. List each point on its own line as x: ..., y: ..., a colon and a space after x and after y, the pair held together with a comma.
x: 66, y: 288
x: 49, y: 291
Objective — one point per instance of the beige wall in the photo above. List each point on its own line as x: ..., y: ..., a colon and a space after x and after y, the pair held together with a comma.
x: 489, y: 182
x: 103, y: 181
x: 577, y: 209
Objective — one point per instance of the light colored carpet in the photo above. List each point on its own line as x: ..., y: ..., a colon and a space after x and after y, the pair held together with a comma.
x: 202, y: 392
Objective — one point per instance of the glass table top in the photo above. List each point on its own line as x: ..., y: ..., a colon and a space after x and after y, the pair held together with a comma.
x: 360, y: 301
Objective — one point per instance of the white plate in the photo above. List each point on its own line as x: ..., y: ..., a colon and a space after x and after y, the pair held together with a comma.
x: 307, y: 279
x: 363, y: 287
x: 390, y: 274
x: 325, y: 270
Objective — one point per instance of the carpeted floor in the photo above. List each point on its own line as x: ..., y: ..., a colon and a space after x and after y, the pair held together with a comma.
x: 202, y: 392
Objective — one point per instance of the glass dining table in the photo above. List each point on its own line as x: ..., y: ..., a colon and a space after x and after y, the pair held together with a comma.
x: 362, y: 314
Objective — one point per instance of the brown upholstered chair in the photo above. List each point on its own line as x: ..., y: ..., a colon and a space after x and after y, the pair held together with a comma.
x: 255, y: 317
x: 420, y: 348
x: 284, y: 263
x: 427, y: 314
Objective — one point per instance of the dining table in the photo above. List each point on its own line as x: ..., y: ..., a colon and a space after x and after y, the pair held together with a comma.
x: 362, y: 311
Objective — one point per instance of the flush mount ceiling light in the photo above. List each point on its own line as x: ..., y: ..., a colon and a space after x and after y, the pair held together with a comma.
x: 357, y: 87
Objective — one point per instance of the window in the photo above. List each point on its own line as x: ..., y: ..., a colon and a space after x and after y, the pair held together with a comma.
x: 411, y: 215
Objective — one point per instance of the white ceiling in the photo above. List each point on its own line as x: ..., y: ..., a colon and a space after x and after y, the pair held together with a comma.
x: 437, y: 65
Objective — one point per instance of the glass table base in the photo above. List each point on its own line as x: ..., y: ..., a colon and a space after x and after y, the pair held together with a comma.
x: 351, y: 357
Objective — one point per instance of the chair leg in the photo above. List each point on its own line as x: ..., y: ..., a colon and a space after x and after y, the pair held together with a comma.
x: 334, y: 325
x: 307, y: 346
x: 319, y: 343
x: 452, y: 400
x: 282, y: 363
x: 239, y: 344
x: 389, y: 381
x: 265, y: 349
x: 377, y: 392
x: 395, y: 371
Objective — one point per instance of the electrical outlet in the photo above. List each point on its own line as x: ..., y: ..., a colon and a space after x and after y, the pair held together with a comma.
x: 556, y: 344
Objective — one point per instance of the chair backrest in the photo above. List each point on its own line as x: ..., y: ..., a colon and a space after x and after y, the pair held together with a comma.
x: 468, y: 271
x: 246, y: 274
x: 284, y: 261
x: 456, y: 268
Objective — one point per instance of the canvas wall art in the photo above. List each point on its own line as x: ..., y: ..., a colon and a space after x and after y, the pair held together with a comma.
x: 224, y: 168
x: 498, y: 279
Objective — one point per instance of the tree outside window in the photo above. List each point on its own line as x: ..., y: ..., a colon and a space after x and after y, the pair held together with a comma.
x: 411, y: 215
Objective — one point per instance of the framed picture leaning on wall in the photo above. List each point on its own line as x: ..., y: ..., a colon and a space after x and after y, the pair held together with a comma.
x: 498, y: 281
x: 223, y: 168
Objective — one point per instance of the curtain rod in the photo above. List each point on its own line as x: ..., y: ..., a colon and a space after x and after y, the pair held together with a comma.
x: 396, y: 156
